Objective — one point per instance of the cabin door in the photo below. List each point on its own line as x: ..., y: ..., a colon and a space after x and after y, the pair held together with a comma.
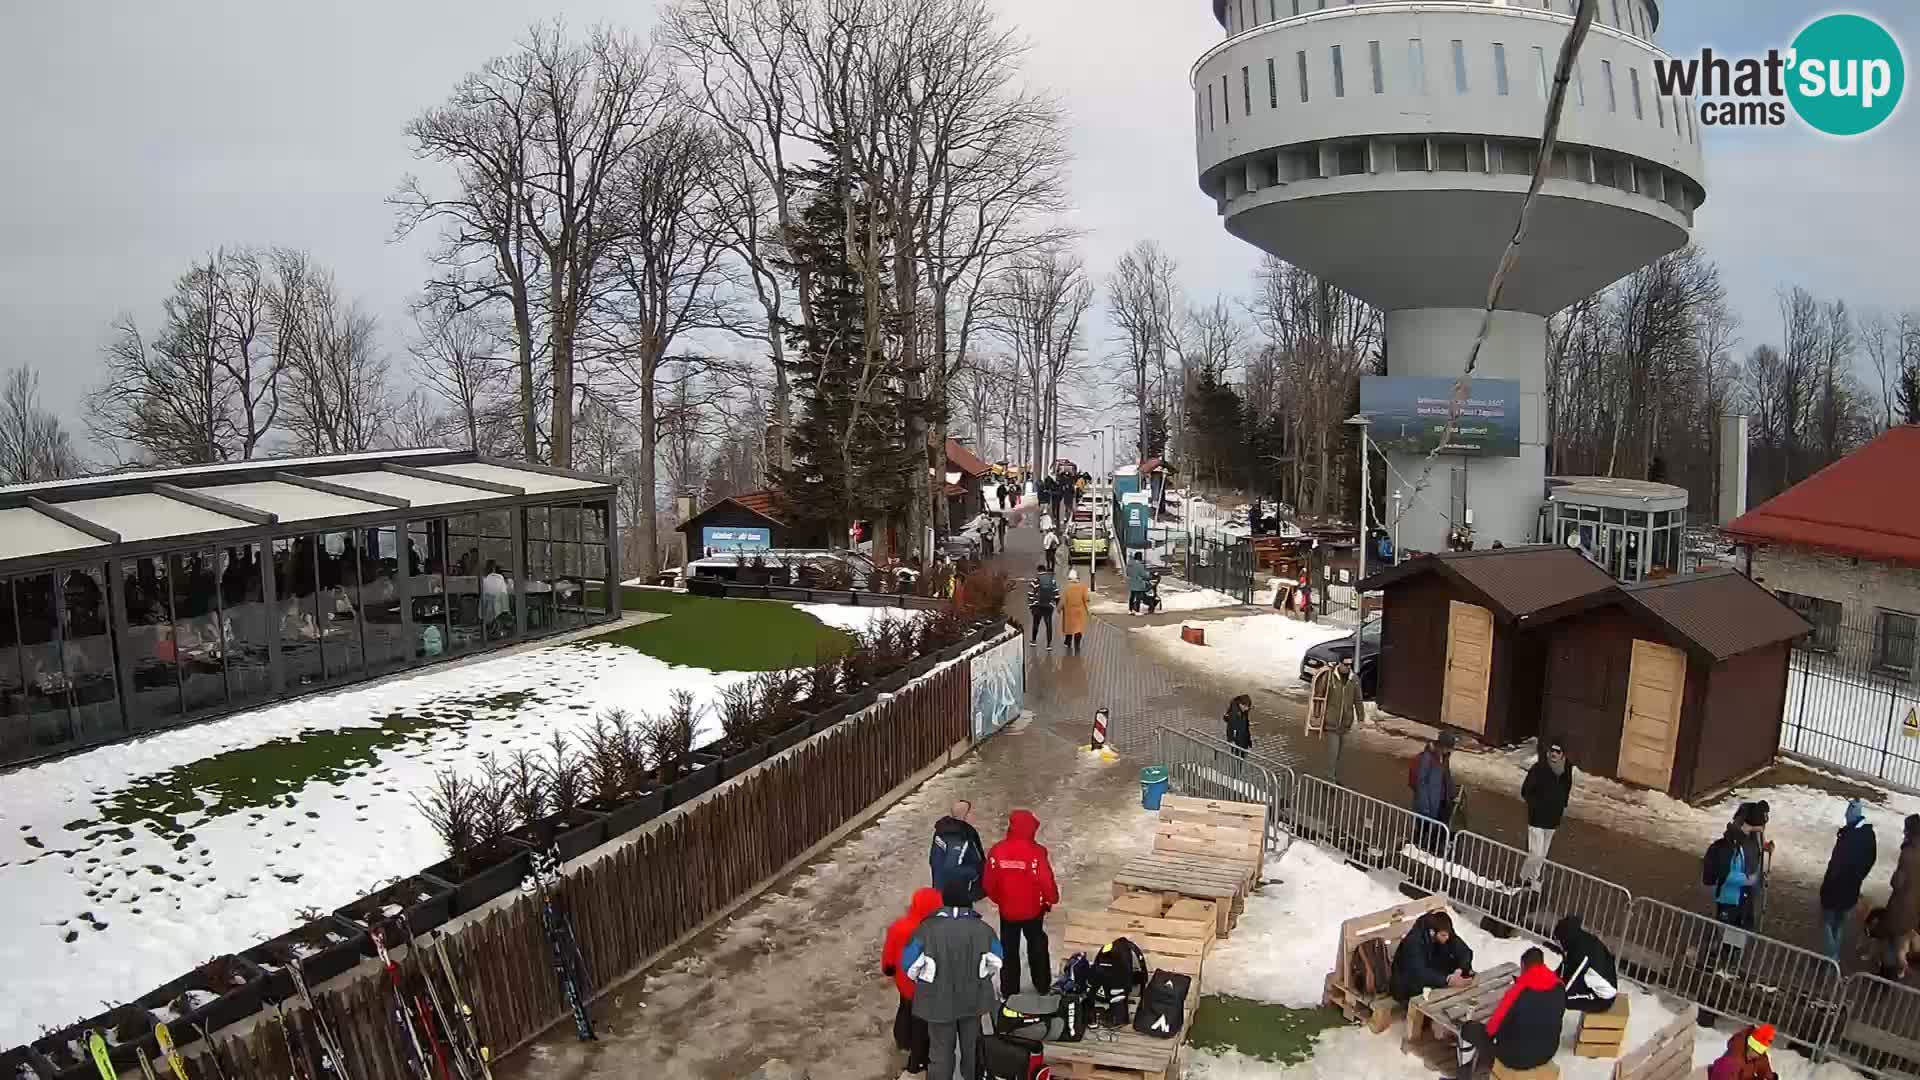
x: 1463, y: 693
x: 1650, y: 730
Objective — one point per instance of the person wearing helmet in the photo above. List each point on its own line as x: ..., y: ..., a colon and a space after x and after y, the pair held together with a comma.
x: 1748, y: 1056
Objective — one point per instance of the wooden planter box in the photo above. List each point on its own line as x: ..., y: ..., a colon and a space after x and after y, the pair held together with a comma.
x: 401, y: 910
x: 125, y: 1027
x: 323, y: 948
x: 702, y: 779
x: 735, y: 764
x: 479, y: 876
x: 575, y: 833
x: 236, y: 996
x: 625, y: 817
x: 789, y: 738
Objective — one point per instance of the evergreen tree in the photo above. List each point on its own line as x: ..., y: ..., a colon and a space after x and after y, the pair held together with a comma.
x: 1153, y: 441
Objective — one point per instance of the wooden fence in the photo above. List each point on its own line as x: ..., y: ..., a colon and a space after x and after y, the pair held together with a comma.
x: 631, y: 901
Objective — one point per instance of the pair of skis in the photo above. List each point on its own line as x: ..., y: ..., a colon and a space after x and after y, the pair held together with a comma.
x: 103, y: 1060
x: 431, y: 1026
x: 569, y: 965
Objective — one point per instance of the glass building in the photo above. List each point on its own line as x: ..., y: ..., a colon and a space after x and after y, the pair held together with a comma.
x: 135, y: 602
x: 1636, y: 529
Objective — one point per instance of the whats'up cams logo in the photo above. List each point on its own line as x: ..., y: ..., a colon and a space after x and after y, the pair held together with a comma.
x: 1842, y: 75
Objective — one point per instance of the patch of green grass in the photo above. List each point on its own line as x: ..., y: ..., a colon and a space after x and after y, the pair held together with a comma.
x: 267, y: 775
x: 724, y: 634
x: 1269, y: 1032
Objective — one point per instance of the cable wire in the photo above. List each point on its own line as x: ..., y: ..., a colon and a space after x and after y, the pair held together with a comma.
x: 1556, y: 104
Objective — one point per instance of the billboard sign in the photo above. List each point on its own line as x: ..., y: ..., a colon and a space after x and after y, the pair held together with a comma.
x: 735, y: 538
x: 1409, y: 415
x: 999, y: 686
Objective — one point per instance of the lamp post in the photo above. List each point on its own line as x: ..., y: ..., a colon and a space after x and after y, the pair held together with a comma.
x: 1359, y: 423
x: 1396, y: 526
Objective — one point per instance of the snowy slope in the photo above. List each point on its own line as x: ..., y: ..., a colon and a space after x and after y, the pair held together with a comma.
x: 1262, y: 649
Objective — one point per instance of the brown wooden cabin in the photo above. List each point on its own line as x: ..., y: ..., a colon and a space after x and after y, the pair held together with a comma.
x: 1463, y: 642
x: 1676, y: 685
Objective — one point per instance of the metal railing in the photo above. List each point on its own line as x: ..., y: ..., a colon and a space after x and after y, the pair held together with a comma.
x: 1377, y: 835
x: 1878, y: 1032
x: 1202, y: 765
x: 1225, y: 567
x: 1736, y: 973
x: 1503, y: 884
x: 1849, y: 688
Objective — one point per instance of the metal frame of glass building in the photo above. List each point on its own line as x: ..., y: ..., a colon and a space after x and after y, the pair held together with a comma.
x: 140, y: 601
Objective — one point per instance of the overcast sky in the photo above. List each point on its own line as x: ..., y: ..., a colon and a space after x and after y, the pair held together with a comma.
x: 138, y: 136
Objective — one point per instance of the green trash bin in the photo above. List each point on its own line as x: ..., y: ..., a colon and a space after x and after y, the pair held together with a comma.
x: 1153, y: 784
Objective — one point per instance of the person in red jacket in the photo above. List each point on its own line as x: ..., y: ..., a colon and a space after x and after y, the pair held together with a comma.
x: 1524, y: 1030
x: 909, y: 1031
x: 1019, y: 881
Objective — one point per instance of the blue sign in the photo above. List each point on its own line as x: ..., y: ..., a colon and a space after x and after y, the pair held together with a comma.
x: 735, y: 538
x: 1409, y: 415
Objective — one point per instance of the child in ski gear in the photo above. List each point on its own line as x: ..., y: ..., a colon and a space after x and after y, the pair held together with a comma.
x: 1075, y: 605
x: 1548, y: 786
x: 1430, y: 957
x: 1847, y: 870
x: 957, y: 854
x: 1042, y: 597
x: 1019, y: 881
x: 1239, y: 721
x: 1139, y: 579
x: 954, y: 960
x: 1748, y: 1055
x: 1524, y: 1030
x: 909, y: 1031
x: 1586, y: 966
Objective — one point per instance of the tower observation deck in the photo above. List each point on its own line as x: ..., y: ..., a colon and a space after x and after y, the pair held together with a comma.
x: 1386, y: 146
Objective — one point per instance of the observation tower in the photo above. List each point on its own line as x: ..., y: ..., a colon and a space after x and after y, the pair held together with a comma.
x: 1386, y: 146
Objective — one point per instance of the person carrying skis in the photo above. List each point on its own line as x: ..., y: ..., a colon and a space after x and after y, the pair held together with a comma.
x: 1730, y: 868
x: 1019, y: 881
x: 1548, y: 786
x: 909, y: 1031
x: 954, y: 960
x: 1586, y: 966
x: 956, y: 854
x: 1344, y: 703
x: 1847, y: 869
x: 1042, y: 597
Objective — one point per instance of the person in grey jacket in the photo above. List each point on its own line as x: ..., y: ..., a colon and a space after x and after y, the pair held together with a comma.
x: 1139, y: 580
x: 954, y: 960
x: 1344, y: 706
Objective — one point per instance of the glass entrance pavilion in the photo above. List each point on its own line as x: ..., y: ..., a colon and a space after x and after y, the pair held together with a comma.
x: 1635, y: 529
x: 139, y: 601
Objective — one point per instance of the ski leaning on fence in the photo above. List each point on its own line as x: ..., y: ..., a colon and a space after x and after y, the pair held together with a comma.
x: 212, y: 1055
x: 402, y: 1015
x: 476, y: 1050
x: 568, y: 963
x: 172, y: 1055
x: 333, y: 1060
x: 97, y: 1046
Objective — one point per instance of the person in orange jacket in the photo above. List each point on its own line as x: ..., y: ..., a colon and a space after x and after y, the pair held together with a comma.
x: 1019, y: 881
x: 1748, y: 1056
x: 909, y: 1031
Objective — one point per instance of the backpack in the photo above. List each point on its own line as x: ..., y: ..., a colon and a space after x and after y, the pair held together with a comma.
x: 1370, y: 970
x: 1116, y: 971
x: 1034, y: 1016
x: 1163, y: 1005
x: 1008, y: 1057
x: 1075, y: 975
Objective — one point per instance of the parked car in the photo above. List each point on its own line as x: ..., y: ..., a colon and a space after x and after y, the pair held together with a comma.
x: 1331, y: 651
x: 782, y: 564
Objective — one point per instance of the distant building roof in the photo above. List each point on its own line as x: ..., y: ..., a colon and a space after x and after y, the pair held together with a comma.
x: 763, y: 503
x: 1861, y: 505
x: 1721, y: 611
x: 966, y: 460
x: 1519, y: 581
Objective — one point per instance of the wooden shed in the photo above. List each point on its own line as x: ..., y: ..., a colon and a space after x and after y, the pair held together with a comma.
x: 749, y: 521
x: 1676, y: 684
x: 1463, y: 642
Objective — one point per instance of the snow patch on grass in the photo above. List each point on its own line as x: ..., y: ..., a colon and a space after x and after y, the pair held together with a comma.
x: 850, y: 617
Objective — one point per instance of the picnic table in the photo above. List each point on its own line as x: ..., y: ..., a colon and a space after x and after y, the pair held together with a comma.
x: 1197, y: 877
x: 1447, y: 1010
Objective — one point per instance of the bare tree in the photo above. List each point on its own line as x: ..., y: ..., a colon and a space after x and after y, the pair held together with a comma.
x: 455, y: 352
x: 165, y: 401
x: 1141, y: 298
x: 1040, y: 310
x: 34, y: 444
x: 1881, y: 343
x: 337, y: 395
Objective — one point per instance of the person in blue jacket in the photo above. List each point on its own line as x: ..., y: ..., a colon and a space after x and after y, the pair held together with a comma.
x: 956, y: 853
x: 1731, y: 869
x: 1434, y: 789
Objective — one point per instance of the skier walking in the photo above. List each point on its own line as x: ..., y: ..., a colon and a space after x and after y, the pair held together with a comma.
x: 1042, y: 597
x: 1548, y: 786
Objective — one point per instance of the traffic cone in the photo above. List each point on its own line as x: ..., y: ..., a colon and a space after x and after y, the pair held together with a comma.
x: 1099, y: 730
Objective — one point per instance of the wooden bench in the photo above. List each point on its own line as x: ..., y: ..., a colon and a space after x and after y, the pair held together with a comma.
x: 1549, y: 1071
x: 1666, y: 1056
x: 1601, y: 1034
x: 1444, y: 1012
x: 1341, y: 990
x: 1197, y: 877
x: 1216, y: 827
x: 1177, y: 939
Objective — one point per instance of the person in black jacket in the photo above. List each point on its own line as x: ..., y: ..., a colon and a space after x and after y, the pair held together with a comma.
x: 1239, y: 721
x: 1587, y: 969
x: 1524, y: 1030
x: 1042, y: 597
x: 1548, y: 785
x: 1852, y: 860
x: 1430, y: 957
x: 956, y: 854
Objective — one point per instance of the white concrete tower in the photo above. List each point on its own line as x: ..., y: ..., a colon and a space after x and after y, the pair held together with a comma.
x: 1386, y: 146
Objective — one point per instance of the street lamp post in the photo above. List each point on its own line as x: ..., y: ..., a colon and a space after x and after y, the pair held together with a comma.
x: 1359, y: 423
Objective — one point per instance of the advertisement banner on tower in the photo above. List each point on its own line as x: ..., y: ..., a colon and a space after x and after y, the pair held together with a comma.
x: 1408, y: 415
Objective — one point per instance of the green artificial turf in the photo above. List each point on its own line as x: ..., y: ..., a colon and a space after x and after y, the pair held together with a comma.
x: 1269, y: 1032
x: 724, y: 634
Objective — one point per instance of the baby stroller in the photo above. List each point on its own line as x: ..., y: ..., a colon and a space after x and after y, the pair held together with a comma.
x: 1152, y: 601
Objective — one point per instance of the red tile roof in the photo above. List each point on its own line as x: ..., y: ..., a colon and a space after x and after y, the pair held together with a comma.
x: 765, y: 502
x: 1860, y: 505
x: 966, y: 460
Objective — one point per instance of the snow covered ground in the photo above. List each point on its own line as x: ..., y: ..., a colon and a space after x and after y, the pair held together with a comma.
x: 1265, y: 649
x: 1853, y: 724
x: 1181, y: 597
x: 125, y: 866
x: 848, y: 617
x: 1285, y: 944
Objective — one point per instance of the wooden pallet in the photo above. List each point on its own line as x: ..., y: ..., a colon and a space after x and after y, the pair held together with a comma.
x: 1602, y: 1034
x: 1197, y: 877
x: 1389, y: 926
x: 1173, y: 944
x: 1444, y: 1012
x: 1666, y: 1056
x: 1376, y: 1011
x: 1218, y: 827
x: 1175, y: 935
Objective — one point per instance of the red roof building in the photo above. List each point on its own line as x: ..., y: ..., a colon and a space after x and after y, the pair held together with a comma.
x: 1862, y: 506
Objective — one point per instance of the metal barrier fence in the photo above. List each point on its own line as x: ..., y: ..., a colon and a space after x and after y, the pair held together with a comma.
x: 1211, y: 768
x: 1878, y: 1032
x: 1849, y: 688
x: 1377, y: 835
x: 1735, y: 973
x: 1221, y: 566
x: 1498, y: 881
